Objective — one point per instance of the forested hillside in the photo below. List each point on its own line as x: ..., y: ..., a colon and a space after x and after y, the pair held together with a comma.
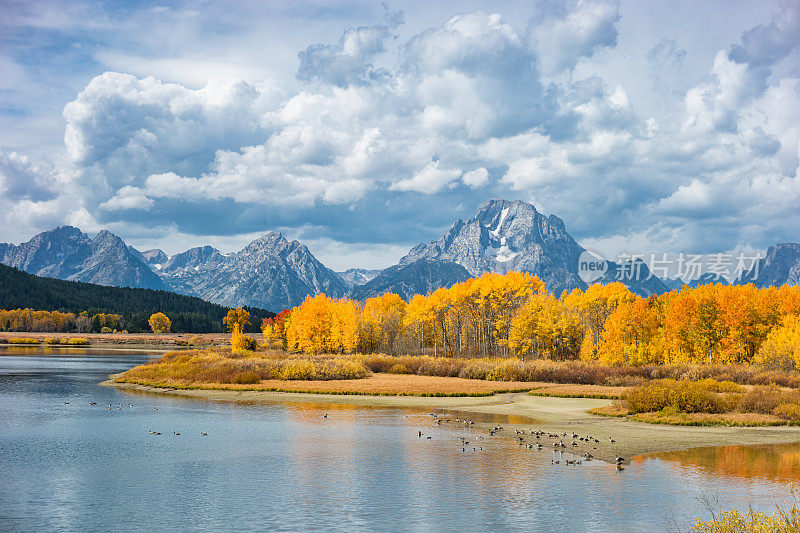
x: 188, y: 314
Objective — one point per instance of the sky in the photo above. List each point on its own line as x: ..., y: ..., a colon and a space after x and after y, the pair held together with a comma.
x: 363, y: 128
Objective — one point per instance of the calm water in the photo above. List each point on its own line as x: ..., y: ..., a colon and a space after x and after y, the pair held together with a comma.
x: 78, y: 467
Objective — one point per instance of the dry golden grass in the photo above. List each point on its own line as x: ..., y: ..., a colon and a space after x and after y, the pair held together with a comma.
x: 710, y: 419
x: 579, y: 391
x: 376, y: 384
x: 609, y: 410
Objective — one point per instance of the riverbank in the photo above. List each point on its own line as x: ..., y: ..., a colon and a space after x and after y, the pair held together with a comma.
x: 139, y: 339
x: 517, y: 411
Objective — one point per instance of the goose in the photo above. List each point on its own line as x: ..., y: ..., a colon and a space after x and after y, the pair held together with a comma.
x: 611, y: 440
x: 204, y: 434
x: 155, y: 408
x: 620, y: 459
x: 429, y: 437
x: 420, y: 435
x: 176, y: 434
x: 325, y: 415
x: 92, y: 403
x: 156, y: 433
x: 66, y: 403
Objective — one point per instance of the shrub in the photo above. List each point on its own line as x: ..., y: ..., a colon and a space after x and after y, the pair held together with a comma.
x: 51, y: 340
x: 22, y: 340
x: 340, y: 369
x: 399, y: 368
x: 106, y: 330
x: 198, y: 341
x: 508, y: 370
x: 647, y: 398
x: 788, y: 411
x: 75, y: 341
x: 243, y: 342
x: 298, y: 369
x: 247, y: 377
x: 760, y: 400
x: 686, y: 396
x: 478, y: 369
x: 694, y: 397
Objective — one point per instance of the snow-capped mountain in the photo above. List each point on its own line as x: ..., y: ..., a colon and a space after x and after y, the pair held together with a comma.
x: 274, y: 273
x: 68, y: 253
x: 505, y: 236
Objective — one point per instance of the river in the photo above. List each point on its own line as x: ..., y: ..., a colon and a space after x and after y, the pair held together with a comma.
x: 68, y: 465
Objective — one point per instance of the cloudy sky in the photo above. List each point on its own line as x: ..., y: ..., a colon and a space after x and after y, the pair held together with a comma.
x: 363, y: 128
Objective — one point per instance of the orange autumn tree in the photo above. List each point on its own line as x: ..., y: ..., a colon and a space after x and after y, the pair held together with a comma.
x: 633, y: 333
x: 594, y: 306
x: 321, y: 325
x: 274, y: 328
x: 236, y: 320
x: 381, y: 323
x: 512, y: 314
x: 545, y: 328
x: 781, y: 349
x: 159, y: 323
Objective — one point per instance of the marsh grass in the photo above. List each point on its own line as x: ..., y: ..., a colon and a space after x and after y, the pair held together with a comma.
x: 240, y: 367
x: 575, y: 372
x: 708, y: 402
x: 643, y: 389
x: 613, y: 410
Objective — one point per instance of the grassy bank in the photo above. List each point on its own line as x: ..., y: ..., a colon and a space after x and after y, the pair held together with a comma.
x: 143, y: 339
x: 640, y: 393
x: 706, y: 403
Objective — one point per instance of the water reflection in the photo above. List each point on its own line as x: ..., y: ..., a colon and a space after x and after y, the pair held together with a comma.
x: 770, y: 462
x: 284, y: 466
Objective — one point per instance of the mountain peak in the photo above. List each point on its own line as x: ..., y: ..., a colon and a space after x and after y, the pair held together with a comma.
x: 781, y: 266
x: 106, y: 237
x: 508, y: 235
x: 67, y: 253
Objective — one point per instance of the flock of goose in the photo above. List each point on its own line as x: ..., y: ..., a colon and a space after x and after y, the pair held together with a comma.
x: 532, y: 440
x: 579, y: 442
x: 119, y: 407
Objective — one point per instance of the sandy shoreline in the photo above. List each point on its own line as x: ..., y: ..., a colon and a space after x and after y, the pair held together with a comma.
x: 523, y: 411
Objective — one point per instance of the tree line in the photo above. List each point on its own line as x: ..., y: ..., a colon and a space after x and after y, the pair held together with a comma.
x: 23, y: 291
x: 512, y: 314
